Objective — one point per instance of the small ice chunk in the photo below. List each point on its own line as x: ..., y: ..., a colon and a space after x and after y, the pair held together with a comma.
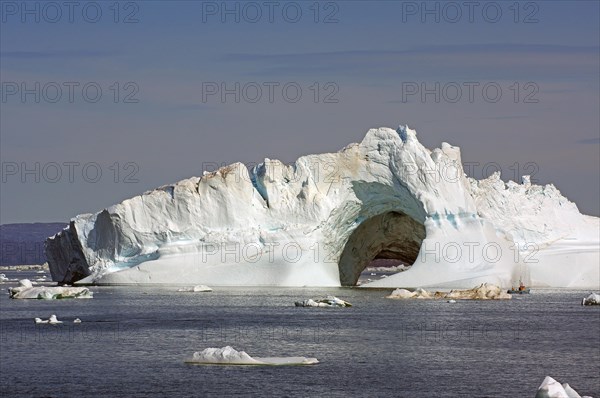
x: 52, y: 320
x: 329, y: 301
x: 195, y: 289
x: 230, y: 356
x: 592, y: 299
x: 25, y: 283
x: 550, y: 388
x: 77, y: 320
x: 401, y: 294
x: 451, y: 301
x: 26, y: 290
x: 484, y: 291
x: 406, y: 294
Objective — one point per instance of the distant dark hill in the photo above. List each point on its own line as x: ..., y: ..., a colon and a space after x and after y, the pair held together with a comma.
x: 24, y: 243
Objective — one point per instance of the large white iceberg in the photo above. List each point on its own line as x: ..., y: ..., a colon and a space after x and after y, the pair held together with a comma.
x: 323, y: 219
x: 230, y: 356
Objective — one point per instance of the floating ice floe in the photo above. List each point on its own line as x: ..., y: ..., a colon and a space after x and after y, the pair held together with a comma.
x: 485, y: 291
x: 592, y: 299
x: 26, y: 290
x: 52, y: 320
x: 406, y: 294
x: 230, y: 356
x: 194, y: 289
x: 76, y: 320
x: 329, y: 301
x: 551, y: 388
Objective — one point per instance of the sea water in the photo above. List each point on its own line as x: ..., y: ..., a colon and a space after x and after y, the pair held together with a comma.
x: 133, y: 341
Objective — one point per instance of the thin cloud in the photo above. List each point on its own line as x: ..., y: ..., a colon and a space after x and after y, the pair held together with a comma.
x: 532, y: 62
x: 589, y: 141
x: 431, y: 49
x: 58, y: 54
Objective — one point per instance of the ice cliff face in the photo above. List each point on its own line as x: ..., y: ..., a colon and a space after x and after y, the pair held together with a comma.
x: 321, y: 220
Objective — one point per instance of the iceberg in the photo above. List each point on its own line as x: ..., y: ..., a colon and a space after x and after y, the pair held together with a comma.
x: 406, y: 294
x: 26, y: 290
x: 484, y: 291
x: 329, y: 301
x: 52, y: 321
x: 550, y: 388
x: 230, y: 356
x: 321, y: 220
x: 592, y: 299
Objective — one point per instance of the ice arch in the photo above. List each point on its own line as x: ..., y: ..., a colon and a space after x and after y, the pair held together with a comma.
x: 390, y: 235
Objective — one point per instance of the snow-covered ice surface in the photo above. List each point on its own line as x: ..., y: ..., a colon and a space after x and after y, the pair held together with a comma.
x: 550, y: 388
x: 26, y: 290
x: 321, y: 220
x: 230, y: 356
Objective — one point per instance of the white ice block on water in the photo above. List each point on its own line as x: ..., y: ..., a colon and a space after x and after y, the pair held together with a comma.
x: 550, y: 388
x: 52, y: 321
x: 195, y: 289
x: 484, y: 291
x: 321, y: 220
x: 26, y: 290
x: 327, y: 302
x: 230, y: 356
x: 592, y: 299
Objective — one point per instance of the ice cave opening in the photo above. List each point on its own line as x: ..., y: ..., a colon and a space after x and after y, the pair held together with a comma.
x: 391, y: 235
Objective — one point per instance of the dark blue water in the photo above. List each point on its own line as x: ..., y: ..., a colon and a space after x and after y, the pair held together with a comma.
x: 133, y: 342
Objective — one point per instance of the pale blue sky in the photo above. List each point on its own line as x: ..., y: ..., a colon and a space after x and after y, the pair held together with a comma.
x: 370, y: 55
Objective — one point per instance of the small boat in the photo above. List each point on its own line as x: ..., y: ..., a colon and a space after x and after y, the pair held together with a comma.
x: 520, y: 290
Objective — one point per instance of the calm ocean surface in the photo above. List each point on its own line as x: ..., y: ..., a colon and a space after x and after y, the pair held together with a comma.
x: 133, y: 341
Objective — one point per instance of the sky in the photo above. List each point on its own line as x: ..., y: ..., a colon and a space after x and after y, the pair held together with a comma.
x: 101, y: 101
